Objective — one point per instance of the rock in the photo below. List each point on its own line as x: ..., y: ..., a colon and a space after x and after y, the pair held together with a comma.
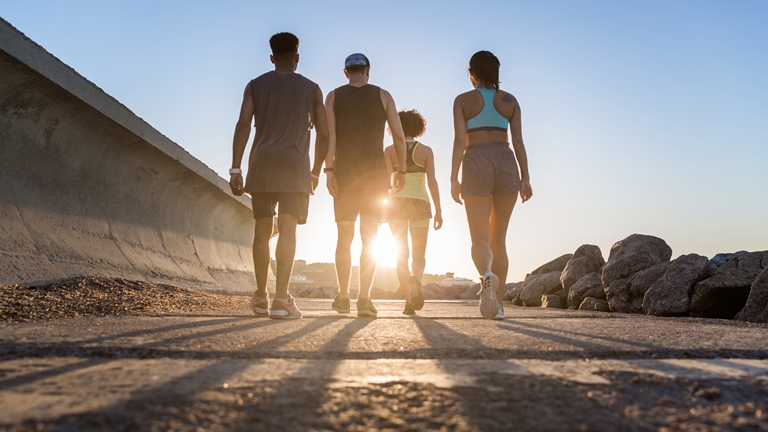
x: 316, y: 293
x: 593, y: 304
x: 556, y: 265
x: 725, y: 293
x: 552, y: 301
x: 535, y: 286
x: 634, y: 253
x: 382, y: 294
x: 626, y: 295
x: 756, y: 309
x: 512, y: 293
x: 590, y: 285
x: 587, y: 259
x: 329, y: 291
x: 721, y: 258
x: 435, y: 290
x: 671, y: 295
x: 561, y: 293
x: 470, y: 292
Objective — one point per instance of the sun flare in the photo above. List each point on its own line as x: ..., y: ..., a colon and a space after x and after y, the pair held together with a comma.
x: 385, y: 249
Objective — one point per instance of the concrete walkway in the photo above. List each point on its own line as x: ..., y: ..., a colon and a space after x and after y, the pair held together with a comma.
x: 443, y: 370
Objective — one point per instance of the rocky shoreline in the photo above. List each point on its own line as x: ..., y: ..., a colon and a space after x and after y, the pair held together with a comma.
x: 640, y: 277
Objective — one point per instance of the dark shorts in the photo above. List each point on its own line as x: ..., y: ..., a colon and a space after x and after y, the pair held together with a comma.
x: 366, y: 202
x: 293, y: 203
x: 489, y: 169
x: 409, y: 209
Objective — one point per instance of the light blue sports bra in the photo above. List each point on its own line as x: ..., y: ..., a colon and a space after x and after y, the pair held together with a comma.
x: 489, y: 119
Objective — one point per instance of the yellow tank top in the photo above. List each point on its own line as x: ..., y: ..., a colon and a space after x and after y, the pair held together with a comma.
x: 415, y: 176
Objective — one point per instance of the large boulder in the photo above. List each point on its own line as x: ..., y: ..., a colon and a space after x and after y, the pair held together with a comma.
x: 593, y: 304
x: 552, y: 301
x: 535, y: 286
x: 634, y: 253
x: 587, y: 259
x: 512, y: 293
x: 556, y: 265
x: 436, y: 291
x: 626, y: 295
x: 756, y: 309
x: 725, y: 293
x: 470, y: 292
x: 671, y: 295
x: 722, y: 258
x: 590, y: 285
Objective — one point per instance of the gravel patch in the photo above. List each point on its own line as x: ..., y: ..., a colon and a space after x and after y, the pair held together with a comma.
x: 103, y: 296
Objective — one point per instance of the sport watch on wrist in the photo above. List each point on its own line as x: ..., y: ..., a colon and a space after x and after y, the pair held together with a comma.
x: 235, y: 171
x: 327, y: 170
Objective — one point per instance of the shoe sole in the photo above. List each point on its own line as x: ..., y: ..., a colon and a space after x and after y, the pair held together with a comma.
x: 489, y: 306
x: 283, y: 315
x: 367, y: 314
x: 341, y: 311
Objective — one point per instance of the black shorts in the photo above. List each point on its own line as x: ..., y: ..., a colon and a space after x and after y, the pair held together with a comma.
x: 293, y: 203
x: 366, y: 202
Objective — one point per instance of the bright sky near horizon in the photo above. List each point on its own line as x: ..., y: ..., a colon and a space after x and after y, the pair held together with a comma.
x: 638, y: 116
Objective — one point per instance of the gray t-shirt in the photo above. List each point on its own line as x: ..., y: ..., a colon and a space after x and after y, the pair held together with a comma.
x: 283, y: 113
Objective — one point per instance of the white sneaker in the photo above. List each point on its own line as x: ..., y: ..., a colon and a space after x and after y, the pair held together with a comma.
x: 488, y: 303
x: 500, y: 314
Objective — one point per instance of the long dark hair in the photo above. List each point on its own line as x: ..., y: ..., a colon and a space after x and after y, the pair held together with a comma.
x: 485, y: 66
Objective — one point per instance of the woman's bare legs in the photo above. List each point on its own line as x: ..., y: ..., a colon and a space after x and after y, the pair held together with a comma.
x: 419, y: 250
x: 501, y: 211
x: 400, y: 234
x: 478, y: 209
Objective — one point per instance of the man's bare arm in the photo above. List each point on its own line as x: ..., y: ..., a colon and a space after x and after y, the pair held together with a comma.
x: 398, y: 137
x: 240, y: 140
x: 321, y: 133
x: 434, y: 191
x: 331, y: 154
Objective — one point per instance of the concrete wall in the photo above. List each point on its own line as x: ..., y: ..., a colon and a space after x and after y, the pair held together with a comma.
x: 88, y: 188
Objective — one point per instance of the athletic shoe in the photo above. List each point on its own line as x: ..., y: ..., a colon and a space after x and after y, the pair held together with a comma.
x: 284, y: 309
x: 500, y: 314
x: 340, y: 305
x: 365, y: 308
x: 488, y: 303
x: 417, y: 295
x: 260, y: 306
x: 409, y: 309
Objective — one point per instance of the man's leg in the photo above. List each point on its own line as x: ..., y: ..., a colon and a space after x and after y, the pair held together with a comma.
x: 344, y: 256
x: 369, y: 229
x: 400, y: 234
x: 261, y: 236
x: 285, y: 252
x: 500, y: 214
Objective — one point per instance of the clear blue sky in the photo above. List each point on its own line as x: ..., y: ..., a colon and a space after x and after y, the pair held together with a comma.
x: 638, y: 116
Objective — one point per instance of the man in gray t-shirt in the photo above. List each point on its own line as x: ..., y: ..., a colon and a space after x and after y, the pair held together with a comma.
x: 283, y: 106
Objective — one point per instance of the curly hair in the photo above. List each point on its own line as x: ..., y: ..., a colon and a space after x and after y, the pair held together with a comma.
x: 413, y: 123
x: 485, y: 66
x: 284, y: 45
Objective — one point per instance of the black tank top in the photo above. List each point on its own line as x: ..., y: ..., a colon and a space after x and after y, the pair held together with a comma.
x: 360, y: 119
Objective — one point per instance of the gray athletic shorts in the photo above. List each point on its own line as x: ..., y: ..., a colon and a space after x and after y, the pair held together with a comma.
x: 489, y: 169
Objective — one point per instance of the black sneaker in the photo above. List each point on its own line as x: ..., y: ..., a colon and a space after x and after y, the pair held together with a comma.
x: 340, y: 305
x: 409, y: 309
x: 417, y: 295
x: 365, y: 308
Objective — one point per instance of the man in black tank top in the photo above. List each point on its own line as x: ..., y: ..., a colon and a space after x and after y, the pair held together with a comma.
x: 357, y: 175
x: 283, y: 107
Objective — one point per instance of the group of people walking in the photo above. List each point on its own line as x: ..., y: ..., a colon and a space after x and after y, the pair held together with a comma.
x: 378, y: 184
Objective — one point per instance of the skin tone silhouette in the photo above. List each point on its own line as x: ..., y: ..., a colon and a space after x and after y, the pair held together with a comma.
x: 488, y: 217
x: 286, y: 223
x: 423, y: 156
x: 369, y: 225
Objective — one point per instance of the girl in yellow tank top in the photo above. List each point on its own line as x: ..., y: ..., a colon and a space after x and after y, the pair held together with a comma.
x: 409, y: 209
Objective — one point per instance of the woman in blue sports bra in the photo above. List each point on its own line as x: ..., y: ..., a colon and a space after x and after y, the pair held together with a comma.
x: 490, y: 179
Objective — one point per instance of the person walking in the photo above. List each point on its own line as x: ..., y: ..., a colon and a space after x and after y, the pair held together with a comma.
x: 357, y: 176
x: 409, y: 210
x: 490, y: 180
x: 283, y: 106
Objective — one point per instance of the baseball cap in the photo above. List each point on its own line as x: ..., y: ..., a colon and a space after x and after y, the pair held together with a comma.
x: 356, y: 59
